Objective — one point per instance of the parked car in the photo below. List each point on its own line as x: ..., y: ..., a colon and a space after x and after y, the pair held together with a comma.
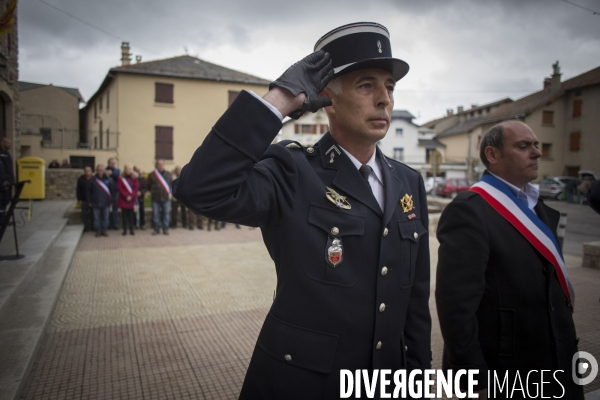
x: 554, y: 186
x: 452, y: 187
x: 429, y: 184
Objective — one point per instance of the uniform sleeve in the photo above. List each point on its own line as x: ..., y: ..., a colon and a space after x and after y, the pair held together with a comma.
x: 462, y: 262
x: 417, y: 333
x: 235, y: 175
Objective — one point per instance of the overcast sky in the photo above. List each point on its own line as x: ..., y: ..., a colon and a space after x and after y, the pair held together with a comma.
x: 460, y: 52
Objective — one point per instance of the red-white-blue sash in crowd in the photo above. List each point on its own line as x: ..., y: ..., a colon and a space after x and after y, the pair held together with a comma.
x: 162, y: 181
x: 127, y: 185
x: 503, y: 200
x: 104, y: 187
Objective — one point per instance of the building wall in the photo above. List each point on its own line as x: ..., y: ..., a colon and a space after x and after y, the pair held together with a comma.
x: 9, y: 87
x: 52, y: 101
x: 29, y: 143
x: 133, y: 115
x: 409, y: 141
x: 317, y: 120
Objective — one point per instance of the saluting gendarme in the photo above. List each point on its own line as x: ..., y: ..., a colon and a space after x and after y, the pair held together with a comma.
x: 345, y: 226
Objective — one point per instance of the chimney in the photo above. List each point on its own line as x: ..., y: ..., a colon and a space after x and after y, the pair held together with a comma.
x: 125, y: 55
x: 460, y: 109
x: 555, y: 85
x: 547, y: 83
x: 449, y: 112
x: 473, y: 106
x: 138, y: 59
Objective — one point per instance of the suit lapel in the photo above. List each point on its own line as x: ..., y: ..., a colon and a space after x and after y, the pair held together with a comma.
x: 392, y: 187
x: 548, y: 216
x: 347, y: 178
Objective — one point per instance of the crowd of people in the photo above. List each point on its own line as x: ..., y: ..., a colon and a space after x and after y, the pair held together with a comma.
x: 102, y: 194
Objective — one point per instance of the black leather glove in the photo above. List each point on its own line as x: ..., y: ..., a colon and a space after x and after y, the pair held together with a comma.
x: 309, y: 75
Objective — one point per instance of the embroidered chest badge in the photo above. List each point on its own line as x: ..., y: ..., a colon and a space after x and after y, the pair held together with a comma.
x: 337, y: 199
x: 407, y: 203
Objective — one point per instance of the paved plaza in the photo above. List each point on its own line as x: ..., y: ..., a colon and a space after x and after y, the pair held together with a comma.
x: 176, y: 317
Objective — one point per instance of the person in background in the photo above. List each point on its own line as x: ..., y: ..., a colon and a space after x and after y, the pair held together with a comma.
x: 127, y: 188
x: 100, y: 195
x: 194, y: 219
x: 175, y: 205
x: 65, y: 164
x: 114, y: 172
x: 159, y: 186
x: 141, y: 195
x: 54, y: 164
x: 82, y: 189
x: 571, y: 189
x: 8, y: 175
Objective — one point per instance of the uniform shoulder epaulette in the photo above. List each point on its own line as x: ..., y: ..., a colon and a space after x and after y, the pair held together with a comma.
x: 290, y: 144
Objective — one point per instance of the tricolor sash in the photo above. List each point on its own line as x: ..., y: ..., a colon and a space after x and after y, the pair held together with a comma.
x: 162, y: 181
x: 127, y: 185
x: 503, y: 200
x: 103, y: 187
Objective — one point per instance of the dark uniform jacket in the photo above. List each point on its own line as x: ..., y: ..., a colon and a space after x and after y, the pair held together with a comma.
x: 156, y: 189
x: 82, y: 188
x: 323, y: 319
x: 96, y: 196
x: 499, y: 301
x: 9, y: 170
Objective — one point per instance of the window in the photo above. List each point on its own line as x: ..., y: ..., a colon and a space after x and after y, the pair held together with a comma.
x: 100, y: 103
x: 574, y: 142
x: 232, y: 96
x: 548, y: 118
x: 546, y: 150
x: 163, y: 93
x: 398, y: 154
x: 95, y: 110
x: 107, y: 138
x: 46, y: 134
x: 399, y: 131
x: 100, y: 130
x: 107, y: 101
x: 164, y: 142
x: 80, y: 162
x: 309, y: 129
x: 323, y: 128
x: 577, y: 108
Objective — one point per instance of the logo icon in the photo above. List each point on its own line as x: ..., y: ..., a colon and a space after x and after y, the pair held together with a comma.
x: 379, y: 46
x: 583, y: 362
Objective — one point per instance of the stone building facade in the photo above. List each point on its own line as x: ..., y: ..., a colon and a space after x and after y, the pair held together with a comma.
x: 9, y: 75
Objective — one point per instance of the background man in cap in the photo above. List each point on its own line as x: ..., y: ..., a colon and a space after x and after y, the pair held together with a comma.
x: 345, y: 226
x: 503, y: 306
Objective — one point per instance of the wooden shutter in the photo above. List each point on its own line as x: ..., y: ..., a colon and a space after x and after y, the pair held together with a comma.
x: 575, y: 141
x: 548, y: 117
x: 314, y: 129
x: 577, y: 108
x: 323, y: 128
x: 164, y: 142
x: 232, y: 96
x: 163, y: 92
x: 296, y: 128
x: 107, y: 99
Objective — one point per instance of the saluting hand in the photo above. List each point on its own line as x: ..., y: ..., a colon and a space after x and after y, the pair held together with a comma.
x: 309, y: 76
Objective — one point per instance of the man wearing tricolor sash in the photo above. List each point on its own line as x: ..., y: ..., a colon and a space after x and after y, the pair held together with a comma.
x: 159, y: 186
x: 504, y: 296
x: 100, y: 192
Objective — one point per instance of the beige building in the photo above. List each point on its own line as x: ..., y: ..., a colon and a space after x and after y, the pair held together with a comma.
x: 161, y: 109
x: 307, y: 130
x: 50, y: 125
x: 565, y: 115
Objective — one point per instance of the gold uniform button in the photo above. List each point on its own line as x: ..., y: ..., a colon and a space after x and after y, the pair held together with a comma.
x: 385, y: 232
x: 416, y: 235
x: 382, y: 307
x: 287, y: 357
x: 384, y: 271
x: 310, y: 150
x: 335, y: 230
x: 379, y: 344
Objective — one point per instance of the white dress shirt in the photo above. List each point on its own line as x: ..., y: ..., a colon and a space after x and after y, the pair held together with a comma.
x: 530, y: 196
x: 375, y: 176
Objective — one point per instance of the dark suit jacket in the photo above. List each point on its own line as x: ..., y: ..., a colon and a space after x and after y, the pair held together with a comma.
x: 323, y: 318
x: 500, y: 304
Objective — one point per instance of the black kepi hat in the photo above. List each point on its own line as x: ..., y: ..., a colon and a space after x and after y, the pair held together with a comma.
x: 361, y: 45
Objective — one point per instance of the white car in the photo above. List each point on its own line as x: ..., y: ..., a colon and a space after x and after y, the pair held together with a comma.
x: 429, y: 186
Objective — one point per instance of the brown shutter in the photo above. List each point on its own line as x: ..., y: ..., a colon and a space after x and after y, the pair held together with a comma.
x: 314, y: 128
x: 548, y: 117
x: 323, y: 128
x: 577, y: 108
x: 575, y: 141
x: 232, y: 96
x: 296, y: 128
x: 107, y: 99
x: 163, y: 93
x: 164, y: 142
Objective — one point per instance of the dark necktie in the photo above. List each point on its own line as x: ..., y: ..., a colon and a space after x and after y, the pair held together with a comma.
x: 365, y: 170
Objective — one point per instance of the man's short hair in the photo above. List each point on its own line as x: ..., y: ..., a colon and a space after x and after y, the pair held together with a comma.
x: 493, y: 137
x: 335, y: 85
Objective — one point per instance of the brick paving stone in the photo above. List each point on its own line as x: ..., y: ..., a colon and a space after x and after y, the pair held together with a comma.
x: 177, y: 317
